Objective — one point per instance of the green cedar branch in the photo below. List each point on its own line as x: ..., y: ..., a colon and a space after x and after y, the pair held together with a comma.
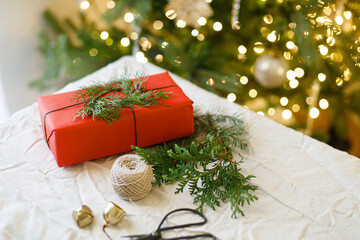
x: 204, y: 163
x: 105, y: 101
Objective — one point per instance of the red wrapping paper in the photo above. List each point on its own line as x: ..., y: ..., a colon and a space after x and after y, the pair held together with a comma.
x: 75, y: 141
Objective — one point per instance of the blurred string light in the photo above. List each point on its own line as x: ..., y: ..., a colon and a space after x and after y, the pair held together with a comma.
x: 284, y: 101
x: 244, y: 80
x: 295, y: 108
x: 125, y: 42
x: 181, y: 23
x: 158, y: 25
x: 201, y: 21
x: 260, y: 113
x: 252, y: 93
x: 258, y: 47
x: 140, y: 57
x: 217, y: 26
x: 84, y: 5
x: 286, y: 114
x: 231, y: 97
x: 242, y: 49
x: 271, y: 111
x: 321, y: 77
x: 129, y: 17
x: 171, y: 14
x: 159, y: 57
x: 323, y: 103
x: 110, y: 4
x: 104, y: 35
x: 314, y: 112
x: 272, y: 36
x: 195, y: 32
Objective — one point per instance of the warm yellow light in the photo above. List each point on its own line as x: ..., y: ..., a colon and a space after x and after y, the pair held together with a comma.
x: 284, y: 101
x: 331, y: 41
x: 164, y: 44
x: 244, y: 80
x: 299, y: 72
x: 309, y: 100
x: 104, y: 35
x: 327, y: 10
x: 217, y: 26
x: 134, y: 36
x: 211, y: 82
x: 323, y: 49
x: 158, y: 25
x: 314, y: 112
x: 290, y: 44
x: 252, y: 93
x: 271, y: 111
x: 323, y: 103
x: 200, y: 37
x: 295, y: 107
x: 290, y: 75
x: 294, y: 83
x: 109, y: 41
x: 129, y: 17
x: 260, y: 113
x: 347, y: 15
x: 339, y: 81
x: 140, y: 57
x: 292, y: 25
x: 231, y: 97
x: 93, y: 52
x: 242, y: 49
x: 321, y: 77
x: 110, y: 4
x: 287, y: 55
x: 258, y: 47
x: 286, y: 114
x: 268, y: 19
x: 181, y: 23
x: 159, y: 57
x: 194, y: 32
x: 201, y: 21
x: 84, y: 5
x: 171, y: 14
x: 320, y: 20
x: 272, y: 36
x: 339, y: 20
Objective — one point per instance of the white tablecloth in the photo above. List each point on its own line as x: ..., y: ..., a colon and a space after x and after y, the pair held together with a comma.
x: 307, y: 189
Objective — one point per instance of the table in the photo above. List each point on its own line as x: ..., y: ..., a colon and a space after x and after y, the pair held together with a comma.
x: 307, y: 189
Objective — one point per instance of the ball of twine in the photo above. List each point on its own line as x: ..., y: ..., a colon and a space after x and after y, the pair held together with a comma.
x: 131, y: 177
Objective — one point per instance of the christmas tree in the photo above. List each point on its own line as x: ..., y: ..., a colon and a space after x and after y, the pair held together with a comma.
x: 293, y: 61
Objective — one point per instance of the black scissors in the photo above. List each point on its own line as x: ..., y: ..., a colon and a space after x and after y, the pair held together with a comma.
x: 157, y: 234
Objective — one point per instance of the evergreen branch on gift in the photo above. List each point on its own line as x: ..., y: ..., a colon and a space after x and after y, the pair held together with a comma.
x: 105, y: 101
x: 204, y: 163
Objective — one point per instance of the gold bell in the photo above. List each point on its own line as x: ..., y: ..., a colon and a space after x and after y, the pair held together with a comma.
x: 113, y: 214
x: 83, y: 216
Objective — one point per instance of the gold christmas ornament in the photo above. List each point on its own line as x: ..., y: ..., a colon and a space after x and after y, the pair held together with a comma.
x: 113, y: 214
x: 83, y: 216
x: 131, y: 177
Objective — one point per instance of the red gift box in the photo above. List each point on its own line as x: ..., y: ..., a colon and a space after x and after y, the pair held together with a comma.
x: 78, y: 140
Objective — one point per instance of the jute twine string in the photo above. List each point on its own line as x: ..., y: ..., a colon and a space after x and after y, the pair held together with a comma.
x: 131, y: 177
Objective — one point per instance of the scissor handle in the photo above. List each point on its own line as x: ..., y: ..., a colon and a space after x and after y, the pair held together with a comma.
x: 160, y: 229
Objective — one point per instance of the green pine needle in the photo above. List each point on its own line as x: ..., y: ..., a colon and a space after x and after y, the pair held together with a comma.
x: 106, y: 101
x: 204, y: 163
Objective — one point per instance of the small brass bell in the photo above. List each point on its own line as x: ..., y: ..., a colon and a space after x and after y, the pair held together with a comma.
x: 83, y: 216
x: 113, y: 214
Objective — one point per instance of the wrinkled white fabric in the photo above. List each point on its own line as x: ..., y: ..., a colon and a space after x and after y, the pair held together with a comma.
x: 307, y: 189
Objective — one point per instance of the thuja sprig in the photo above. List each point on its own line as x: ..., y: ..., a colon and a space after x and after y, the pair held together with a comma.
x: 105, y: 101
x: 204, y: 162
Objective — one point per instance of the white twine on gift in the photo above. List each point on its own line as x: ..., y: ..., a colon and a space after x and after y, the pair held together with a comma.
x: 131, y: 177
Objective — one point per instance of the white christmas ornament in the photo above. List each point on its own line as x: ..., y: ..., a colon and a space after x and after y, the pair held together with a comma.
x: 270, y: 71
x: 189, y: 10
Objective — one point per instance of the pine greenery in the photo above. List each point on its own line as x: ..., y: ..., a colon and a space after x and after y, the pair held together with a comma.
x: 204, y: 162
x: 105, y: 101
